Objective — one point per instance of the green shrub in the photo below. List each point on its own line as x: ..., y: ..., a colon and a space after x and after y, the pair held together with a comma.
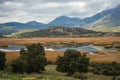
x: 2, y: 60
x: 109, y: 69
x: 17, y: 66
x: 50, y: 62
x: 72, y: 62
x: 31, y: 60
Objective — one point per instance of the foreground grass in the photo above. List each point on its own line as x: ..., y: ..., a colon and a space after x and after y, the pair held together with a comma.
x: 49, y: 74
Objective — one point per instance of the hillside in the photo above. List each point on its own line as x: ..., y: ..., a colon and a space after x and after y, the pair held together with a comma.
x: 109, y: 22
x: 60, y: 32
x: 64, y: 21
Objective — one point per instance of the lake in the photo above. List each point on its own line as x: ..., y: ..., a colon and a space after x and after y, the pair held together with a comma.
x: 88, y: 48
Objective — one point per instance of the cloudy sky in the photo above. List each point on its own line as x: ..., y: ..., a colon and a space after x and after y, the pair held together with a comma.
x: 47, y: 10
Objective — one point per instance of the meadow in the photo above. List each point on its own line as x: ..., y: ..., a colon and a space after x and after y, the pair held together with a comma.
x: 52, y: 55
x: 51, y: 73
x: 24, y: 41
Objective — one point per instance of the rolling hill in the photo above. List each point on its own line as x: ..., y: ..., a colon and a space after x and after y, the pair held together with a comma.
x: 58, y: 31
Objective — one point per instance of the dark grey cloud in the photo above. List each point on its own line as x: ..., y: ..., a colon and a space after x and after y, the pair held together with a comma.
x: 47, y: 10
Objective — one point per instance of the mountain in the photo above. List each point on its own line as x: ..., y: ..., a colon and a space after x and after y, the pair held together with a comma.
x: 110, y: 21
x: 14, y: 24
x: 60, y: 32
x: 31, y: 24
x: 105, y: 21
x: 35, y: 24
x: 88, y: 20
x: 64, y: 21
x: 11, y: 27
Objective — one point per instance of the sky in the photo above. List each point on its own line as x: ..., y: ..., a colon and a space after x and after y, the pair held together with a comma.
x: 47, y: 10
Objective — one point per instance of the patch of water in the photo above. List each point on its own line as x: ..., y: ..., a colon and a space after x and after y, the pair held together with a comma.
x: 89, y: 48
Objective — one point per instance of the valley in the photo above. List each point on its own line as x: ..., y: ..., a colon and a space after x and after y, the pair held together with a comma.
x: 59, y: 40
x: 99, y: 56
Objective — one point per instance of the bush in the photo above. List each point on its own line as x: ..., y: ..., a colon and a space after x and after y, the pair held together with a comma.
x: 115, y: 78
x: 31, y: 60
x: 17, y: 66
x: 2, y: 60
x: 81, y: 76
x: 110, y: 69
x: 72, y: 62
x: 50, y: 62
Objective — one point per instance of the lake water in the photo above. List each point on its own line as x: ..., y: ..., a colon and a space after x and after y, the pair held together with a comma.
x: 12, y: 48
x: 89, y: 48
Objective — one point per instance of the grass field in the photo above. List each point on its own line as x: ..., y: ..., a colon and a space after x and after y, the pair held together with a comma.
x: 52, y: 55
x: 23, y: 41
x: 51, y: 73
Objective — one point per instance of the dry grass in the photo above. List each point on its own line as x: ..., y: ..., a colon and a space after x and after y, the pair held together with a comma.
x: 23, y: 41
x: 11, y: 56
x: 52, y: 55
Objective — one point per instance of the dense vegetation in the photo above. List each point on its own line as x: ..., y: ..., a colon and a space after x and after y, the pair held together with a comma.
x: 2, y: 60
x: 108, y: 69
x: 72, y: 62
x: 31, y: 60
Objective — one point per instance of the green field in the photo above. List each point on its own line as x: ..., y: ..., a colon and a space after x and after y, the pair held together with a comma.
x: 49, y: 74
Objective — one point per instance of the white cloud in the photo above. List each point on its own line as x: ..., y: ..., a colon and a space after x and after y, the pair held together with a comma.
x: 47, y: 10
x: 12, y: 4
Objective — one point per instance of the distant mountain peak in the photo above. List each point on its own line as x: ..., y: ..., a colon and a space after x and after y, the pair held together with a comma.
x: 64, y: 21
x: 63, y: 17
x: 66, y: 17
x: 34, y: 22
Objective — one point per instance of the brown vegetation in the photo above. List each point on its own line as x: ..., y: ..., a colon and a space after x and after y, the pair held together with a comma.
x: 23, y: 41
x: 52, y: 55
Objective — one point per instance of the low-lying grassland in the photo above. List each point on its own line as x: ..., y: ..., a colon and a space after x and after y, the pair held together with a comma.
x: 95, y: 41
x: 52, y: 55
x: 49, y: 74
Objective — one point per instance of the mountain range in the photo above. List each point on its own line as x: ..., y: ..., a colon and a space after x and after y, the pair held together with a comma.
x: 105, y: 21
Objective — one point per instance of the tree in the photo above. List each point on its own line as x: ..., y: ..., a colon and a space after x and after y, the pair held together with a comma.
x: 32, y: 59
x: 72, y: 61
x: 17, y: 66
x: 2, y: 60
x: 109, y: 69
